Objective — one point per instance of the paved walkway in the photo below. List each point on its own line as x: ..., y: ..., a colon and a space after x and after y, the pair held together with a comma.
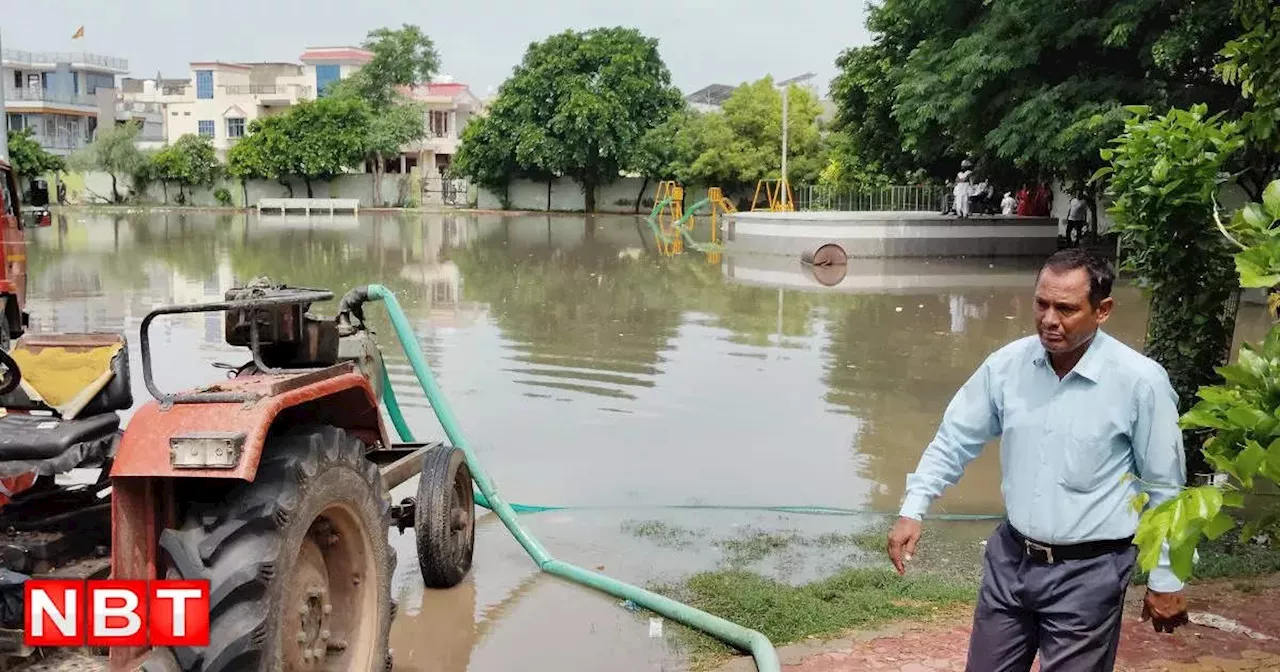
x: 1206, y: 647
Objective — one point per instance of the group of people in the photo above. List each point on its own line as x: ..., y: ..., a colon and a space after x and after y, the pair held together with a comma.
x: 971, y: 196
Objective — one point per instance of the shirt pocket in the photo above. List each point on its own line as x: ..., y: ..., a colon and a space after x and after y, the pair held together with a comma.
x: 1085, y: 464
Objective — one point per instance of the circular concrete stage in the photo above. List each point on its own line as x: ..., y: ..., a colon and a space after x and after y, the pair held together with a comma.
x: 892, y: 234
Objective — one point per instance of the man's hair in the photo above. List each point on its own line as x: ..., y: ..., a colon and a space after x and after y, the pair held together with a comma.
x: 1101, y: 275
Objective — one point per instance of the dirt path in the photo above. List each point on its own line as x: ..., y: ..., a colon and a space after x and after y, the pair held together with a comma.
x: 941, y: 643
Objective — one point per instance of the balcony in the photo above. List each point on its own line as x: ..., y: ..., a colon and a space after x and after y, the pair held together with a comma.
x: 60, y: 143
x: 32, y: 95
x: 138, y: 107
x: 34, y: 58
x: 269, y: 93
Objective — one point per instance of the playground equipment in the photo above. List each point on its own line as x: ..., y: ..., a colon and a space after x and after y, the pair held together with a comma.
x: 778, y: 196
x: 272, y: 484
x: 673, y: 226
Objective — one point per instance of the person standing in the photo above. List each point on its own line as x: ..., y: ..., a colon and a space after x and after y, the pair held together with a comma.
x: 1077, y: 218
x: 1008, y: 205
x: 1077, y: 412
x: 961, y: 190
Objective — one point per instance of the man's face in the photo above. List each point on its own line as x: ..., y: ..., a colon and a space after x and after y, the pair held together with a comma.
x: 1065, y: 320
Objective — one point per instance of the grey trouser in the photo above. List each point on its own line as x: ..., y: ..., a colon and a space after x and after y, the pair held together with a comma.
x: 1069, y: 611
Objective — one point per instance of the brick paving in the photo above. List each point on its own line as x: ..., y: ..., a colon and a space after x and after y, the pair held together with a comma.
x: 941, y: 644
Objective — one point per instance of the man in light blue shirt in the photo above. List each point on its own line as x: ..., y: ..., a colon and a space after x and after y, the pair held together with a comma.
x: 1078, y: 413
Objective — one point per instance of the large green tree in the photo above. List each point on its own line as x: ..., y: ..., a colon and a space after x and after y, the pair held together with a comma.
x: 577, y: 105
x: 1028, y: 87
x: 401, y: 58
x: 114, y: 152
x: 29, y: 159
x: 189, y: 162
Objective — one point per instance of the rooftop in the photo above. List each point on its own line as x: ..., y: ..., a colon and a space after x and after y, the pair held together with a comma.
x: 336, y: 54
x: 84, y: 59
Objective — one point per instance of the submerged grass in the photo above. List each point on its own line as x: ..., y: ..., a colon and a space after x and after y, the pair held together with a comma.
x: 852, y: 598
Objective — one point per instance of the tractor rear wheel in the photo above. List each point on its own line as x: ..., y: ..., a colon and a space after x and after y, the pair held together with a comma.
x: 298, y: 561
x: 445, y: 518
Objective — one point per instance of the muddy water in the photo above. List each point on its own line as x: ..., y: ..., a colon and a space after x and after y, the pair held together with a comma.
x: 590, y: 373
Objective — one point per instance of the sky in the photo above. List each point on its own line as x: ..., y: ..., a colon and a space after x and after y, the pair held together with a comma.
x: 702, y: 41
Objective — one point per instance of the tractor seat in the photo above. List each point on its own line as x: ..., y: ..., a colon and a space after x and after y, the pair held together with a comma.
x: 64, y: 411
x: 41, y: 437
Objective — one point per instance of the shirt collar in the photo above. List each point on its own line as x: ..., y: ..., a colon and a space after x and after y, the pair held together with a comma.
x: 1089, y: 366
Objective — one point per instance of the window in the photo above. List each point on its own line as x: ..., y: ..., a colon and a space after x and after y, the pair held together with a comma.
x: 204, y: 84
x: 6, y: 195
x: 326, y: 75
x: 439, y: 124
x: 15, y: 122
x: 235, y: 127
x: 205, y: 127
x: 17, y: 79
x: 94, y: 81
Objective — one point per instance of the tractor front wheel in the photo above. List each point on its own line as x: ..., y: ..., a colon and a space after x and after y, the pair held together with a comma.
x: 445, y: 518
x: 298, y: 561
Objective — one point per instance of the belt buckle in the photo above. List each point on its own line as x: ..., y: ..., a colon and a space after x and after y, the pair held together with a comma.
x: 1033, y: 546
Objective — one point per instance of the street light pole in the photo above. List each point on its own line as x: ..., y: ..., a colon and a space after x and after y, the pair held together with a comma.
x: 785, y: 85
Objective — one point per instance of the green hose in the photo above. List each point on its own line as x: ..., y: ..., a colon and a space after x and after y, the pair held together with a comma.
x: 731, y: 633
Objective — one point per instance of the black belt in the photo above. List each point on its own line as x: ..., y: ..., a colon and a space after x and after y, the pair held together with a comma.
x: 1053, y: 553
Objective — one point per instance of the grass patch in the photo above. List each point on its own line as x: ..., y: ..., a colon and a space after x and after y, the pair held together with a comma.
x: 660, y: 533
x: 852, y: 598
x: 752, y: 546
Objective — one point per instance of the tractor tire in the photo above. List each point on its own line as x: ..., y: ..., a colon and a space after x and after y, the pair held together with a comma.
x: 298, y: 561
x: 444, y: 518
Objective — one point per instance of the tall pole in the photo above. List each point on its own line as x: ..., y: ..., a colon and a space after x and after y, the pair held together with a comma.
x: 784, y: 186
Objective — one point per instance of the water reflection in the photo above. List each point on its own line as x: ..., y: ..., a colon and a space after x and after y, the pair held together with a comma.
x: 589, y: 370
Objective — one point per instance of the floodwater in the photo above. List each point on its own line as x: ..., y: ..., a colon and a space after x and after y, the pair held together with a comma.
x: 592, y: 373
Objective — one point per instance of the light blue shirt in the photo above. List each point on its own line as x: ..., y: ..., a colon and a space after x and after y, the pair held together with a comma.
x: 1066, y: 445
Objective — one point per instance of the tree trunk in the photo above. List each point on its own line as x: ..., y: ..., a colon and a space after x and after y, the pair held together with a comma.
x: 549, y: 194
x: 285, y: 183
x: 307, y: 180
x: 378, y: 167
x: 115, y: 194
x: 244, y: 191
x: 164, y: 187
x: 589, y: 196
x: 644, y: 186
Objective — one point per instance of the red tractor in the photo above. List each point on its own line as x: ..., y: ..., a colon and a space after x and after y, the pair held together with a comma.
x: 271, y: 483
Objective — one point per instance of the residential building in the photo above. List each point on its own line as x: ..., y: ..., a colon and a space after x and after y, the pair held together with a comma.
x: 449, y: 106
x: 62, y: 97
x: 220, y: 99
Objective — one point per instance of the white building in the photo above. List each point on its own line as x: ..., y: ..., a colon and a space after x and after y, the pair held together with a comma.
x: 62, y: 97
x: 449, y: 106
x: 220, y: 99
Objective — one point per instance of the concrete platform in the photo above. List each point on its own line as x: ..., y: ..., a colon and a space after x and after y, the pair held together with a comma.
x: 892, y: 234
x: 881, y: 276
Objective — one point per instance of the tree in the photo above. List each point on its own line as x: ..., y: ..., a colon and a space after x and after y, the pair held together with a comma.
x: 577, y: 105
x: 27, y: 156
x: 324, y: 138
x: 401, y: 58
x: 1249, y: 61
x: 1024, y: 86
x: 659, y: 154
x: 263, y: 153
x: 189, y: 162
x: 1164, y: 176
x: 487, y: 155
x: 742, y: 144
x: 114, y: 152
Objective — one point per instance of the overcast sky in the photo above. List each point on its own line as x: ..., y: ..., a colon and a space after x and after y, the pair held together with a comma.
x: 702, y: 41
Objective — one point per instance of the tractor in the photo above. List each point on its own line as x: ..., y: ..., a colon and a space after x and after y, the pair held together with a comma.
x: 272, y: 483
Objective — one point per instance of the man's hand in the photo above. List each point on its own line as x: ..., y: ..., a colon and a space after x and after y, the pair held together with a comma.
x: 902, y: 542
x: 1166, y: 611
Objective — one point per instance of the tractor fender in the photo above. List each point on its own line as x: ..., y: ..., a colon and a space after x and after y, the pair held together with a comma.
x: 345, y: 401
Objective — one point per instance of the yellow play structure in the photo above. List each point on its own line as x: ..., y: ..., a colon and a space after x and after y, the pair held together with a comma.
x: 778, y: 196
x: 672, y: 225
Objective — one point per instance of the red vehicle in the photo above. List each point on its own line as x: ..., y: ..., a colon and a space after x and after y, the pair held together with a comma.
x: 13, y: 259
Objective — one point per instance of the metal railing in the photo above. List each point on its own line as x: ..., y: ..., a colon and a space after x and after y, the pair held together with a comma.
x: 34, y: 57
x: 892, y: 198
x: 294, y: 90
x: 27, y: 94
x: 138, y: 106
x: 60, y: 140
